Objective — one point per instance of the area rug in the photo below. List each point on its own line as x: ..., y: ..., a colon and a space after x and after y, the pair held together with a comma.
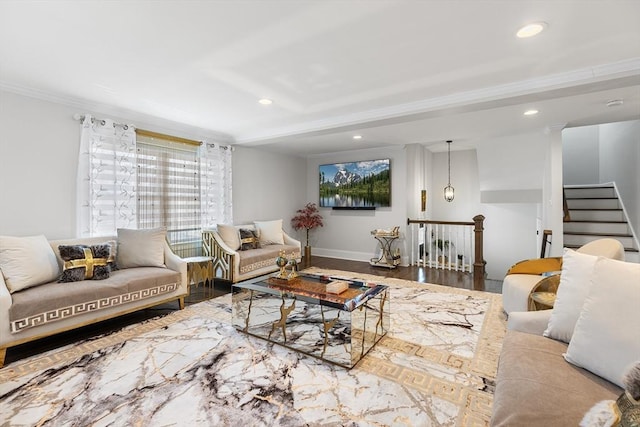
x: 436, y: 367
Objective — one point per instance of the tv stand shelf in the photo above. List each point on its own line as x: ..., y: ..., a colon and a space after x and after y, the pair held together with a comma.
x: 354, y: 208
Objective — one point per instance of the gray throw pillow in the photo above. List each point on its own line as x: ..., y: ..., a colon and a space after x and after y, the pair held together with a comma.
x: 141, y: 248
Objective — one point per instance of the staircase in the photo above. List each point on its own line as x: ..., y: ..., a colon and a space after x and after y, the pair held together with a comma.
x: 596, y: 212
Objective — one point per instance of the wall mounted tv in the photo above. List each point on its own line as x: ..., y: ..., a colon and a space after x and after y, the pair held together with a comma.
x: 356, y: 185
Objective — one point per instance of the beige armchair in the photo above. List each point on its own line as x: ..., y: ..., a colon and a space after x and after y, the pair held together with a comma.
x: 523, y: 277
x: 235, y: 265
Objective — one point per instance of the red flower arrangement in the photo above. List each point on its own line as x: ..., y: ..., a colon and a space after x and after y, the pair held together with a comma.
x: 308, y: 218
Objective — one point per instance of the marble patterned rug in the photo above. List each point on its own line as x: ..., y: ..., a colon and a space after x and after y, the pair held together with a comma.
x: 436, y: 367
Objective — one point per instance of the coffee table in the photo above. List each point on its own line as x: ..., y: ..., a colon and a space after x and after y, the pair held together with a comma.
x: 300, y: 314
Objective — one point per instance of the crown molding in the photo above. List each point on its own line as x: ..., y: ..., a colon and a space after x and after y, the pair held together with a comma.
x: 557, y: 127
x: 139, y: 120
x: 576, y: 78
x: 579, y: 77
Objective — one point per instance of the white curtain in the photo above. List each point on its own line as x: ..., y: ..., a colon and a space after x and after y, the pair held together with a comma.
x: 106, y: 184
x: 107, y: 180
x: 215, y: 185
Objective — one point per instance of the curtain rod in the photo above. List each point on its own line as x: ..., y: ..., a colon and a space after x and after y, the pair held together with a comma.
x: 80, y: 117
x: 151, y: 134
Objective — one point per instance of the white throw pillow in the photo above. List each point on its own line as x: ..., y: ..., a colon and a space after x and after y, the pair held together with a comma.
x: 575, y: 282
x: 27, y: 262
x: 270, y: 232
x: 606, y: 340
x: 141, y: 248
x: 230, y: 235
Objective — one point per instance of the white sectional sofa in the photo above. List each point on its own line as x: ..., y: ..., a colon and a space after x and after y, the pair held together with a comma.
x: 556, y: 365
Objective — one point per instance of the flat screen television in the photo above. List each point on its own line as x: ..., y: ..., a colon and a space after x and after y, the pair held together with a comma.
x: 356, y: 185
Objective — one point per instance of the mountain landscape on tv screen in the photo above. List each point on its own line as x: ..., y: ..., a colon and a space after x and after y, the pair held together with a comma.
x: 356, y: 184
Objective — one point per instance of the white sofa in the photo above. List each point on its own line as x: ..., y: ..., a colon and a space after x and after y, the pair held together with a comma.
x: 51, y: 307
x: 523, y: 276
x: 232, y: 264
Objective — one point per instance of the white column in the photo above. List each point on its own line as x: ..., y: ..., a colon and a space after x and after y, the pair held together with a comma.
x: 552, y: 209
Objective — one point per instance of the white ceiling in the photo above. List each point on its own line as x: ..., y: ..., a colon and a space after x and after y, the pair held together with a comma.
x: 396, y: 72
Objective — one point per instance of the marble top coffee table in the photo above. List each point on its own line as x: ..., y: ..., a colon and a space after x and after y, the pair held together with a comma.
x: 300, y: 314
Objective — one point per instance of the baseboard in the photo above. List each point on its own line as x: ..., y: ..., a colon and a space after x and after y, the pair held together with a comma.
x: 350, y: 255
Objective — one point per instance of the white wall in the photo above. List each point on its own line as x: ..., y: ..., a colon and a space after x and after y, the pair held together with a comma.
x: 39, y: 144
x: 619, y: 162
x: 464, y: 179
x: 509, y: 228
x: 510, y: 184
x: 606, y: 153
x: 509, y: 236
x: 347, y: 234
x: 267, y: 186
x: 552, y: 207
x: 581, y: 145
x: 512, y: 163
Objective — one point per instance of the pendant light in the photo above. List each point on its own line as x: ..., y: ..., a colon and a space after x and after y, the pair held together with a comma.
x: 449, y: 190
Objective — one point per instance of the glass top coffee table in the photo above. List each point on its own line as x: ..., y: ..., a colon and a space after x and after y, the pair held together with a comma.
x: 301, y: 314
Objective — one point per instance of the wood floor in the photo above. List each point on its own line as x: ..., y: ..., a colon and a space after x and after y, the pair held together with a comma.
x: 414, y: 273
x: 201, y: 292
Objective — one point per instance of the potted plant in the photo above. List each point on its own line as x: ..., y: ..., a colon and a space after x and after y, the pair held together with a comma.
x: 308, y: 218
x: 442, y: 246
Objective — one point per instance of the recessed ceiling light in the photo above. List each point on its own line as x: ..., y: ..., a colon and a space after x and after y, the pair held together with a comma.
x: 615, y: 102
x: 531, y: 112
x: 531, y: 30
x: 357, y: 136
x: 265, y: 101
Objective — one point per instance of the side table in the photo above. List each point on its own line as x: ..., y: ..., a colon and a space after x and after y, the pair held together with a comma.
x: 543, y: 300
x: 543, y: 294
x: 387, y: 258
x: 200, y: 270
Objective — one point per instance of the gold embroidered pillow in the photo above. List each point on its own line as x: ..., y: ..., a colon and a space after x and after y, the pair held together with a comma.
x: 83, y: 262
x: 248, y: 239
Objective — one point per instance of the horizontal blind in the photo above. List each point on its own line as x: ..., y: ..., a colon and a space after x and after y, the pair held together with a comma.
x: 168, y: 182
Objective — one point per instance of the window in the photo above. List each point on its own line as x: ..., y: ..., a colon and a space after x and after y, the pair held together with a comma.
x: 131, y: 178
x: 168, y: 190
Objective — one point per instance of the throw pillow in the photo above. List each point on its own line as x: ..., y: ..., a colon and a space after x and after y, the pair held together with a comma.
x: 270, y: 232
x: 606, y: 340
x: 248, y: 239
x: 230, y: 236
x: 575, y: 282
x: 82, y: 262
x: 141, y: 248
x: 27, y: 262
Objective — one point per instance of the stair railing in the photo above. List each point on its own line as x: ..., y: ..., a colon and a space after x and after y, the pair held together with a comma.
x: 565, y: 207
x: 449, y: 245
x: 636, y: 243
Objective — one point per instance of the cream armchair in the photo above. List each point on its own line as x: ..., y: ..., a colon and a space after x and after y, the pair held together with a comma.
x: 524, y: 276
x: 232, y: 264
